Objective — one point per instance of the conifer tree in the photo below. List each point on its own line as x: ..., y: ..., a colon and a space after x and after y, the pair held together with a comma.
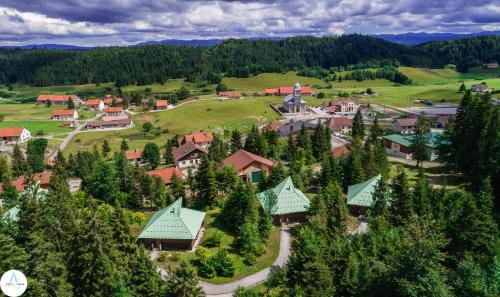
x: 151, y: 155
x: 356, y: 173
x: 421, y: 195
x: 380, y: 199
x: 183, y: 282
x: 277, y: 175
x: 123, y: 145
x: 358, y: 128
x: 419, y: 142
x: 375, y: 130
x: 236, y: 142
x: 19, y: 164
x: 304, y: 142
x: 167, y: 156
x: 400, y: 203
x: 321, y: 141
x: 177, y: 188
x: 217, y: 150
x: 336, y: 209
x: 205, y: 184
x: 4, y: 168
x: 106, y: 149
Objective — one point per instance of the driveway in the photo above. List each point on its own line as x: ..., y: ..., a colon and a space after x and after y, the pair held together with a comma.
x: 226, y: 290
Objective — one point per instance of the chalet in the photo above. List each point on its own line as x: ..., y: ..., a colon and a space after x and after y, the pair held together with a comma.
x: 398, y: 145
x: 188, y: 157
x: 480, y: 88
x: 65, y: 115
x: 167, y: 173
x: 230, y: 95
x: 250, y: 167
x: 113, y: 111
x: 405, y: 126
x: 127, y: 123
x: 293, y: 102
x: 290, y: 203
x: 340, y: 125
x: 173, y: 228
x: 95, y: 104
x: 344, y: 105
x: 14, y: 135
x: 43, y: 178
x: 201, y: 138
x: 109, y: 100
x: 58, y: 99
x: 134, y: 156
x: 293, y: 128
x: 161, y: 104
x: 360, y: 196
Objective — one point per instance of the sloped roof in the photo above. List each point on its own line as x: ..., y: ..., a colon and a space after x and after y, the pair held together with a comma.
x: 161, y: 103
x: 289, y: 90
x: 407, y: 121
x: 113, y: 109
x: 174, y: 222
x: 294, y: 127
x: 186, y: 149
x: 167, y: 173
x: 289, y: 199
x: 63, y: 112
x: 242, y: 159
x: 134, y: 154
x: 406, y: 140
x: 198, y: 137
x: 92, y: 102
x: 43, y: 178
x: 336, y: 124
x: 11, y: 131
x: 59, y: 98
x: 109, y: 100
x: 362, y: 194
x: 290, y: 98
x: 271, y: 91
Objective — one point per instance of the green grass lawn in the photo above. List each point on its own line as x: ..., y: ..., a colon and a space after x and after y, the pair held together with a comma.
x: 269, y: 80
x: 438, y: 76
x: 47, y: 127
x: 173, y: 259
x: 26, y: 111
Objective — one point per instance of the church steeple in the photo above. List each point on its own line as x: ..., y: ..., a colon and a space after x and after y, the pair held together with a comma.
x: 296, y: 90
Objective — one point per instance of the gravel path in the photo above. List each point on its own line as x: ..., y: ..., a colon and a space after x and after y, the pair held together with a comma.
x: 226, y: 290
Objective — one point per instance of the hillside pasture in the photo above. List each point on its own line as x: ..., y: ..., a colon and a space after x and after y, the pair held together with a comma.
x: 45, y: 127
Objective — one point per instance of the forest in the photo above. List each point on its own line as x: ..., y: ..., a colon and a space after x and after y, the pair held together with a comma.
x: 148, y: 64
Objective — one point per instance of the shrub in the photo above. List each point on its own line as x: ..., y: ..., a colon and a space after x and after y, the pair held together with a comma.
x: 147, y: 126
x: 175, y: 258
x: 161, y: 258
x: 213, y: 240
x: 223, y: 264
x: 321, y: 95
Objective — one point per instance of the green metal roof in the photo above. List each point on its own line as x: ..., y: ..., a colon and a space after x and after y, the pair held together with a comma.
x: 361, y: 194
x: 405, y: 140
x: 174, y: 222
x: 289, y: 199
x: 12, y: 215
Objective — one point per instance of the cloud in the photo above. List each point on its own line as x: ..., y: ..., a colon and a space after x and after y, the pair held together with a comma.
x: 129, y: 21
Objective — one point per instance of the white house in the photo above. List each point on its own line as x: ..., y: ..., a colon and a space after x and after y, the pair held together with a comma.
x: 65, y: 115
x: 14, y: 135
x: 95, y: 104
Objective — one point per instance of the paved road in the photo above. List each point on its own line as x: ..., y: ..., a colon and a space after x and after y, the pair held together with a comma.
x: 226, y: 290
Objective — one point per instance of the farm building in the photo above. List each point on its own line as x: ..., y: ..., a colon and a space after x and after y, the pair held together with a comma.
x: 161, y: 104
x: 360, y: 196
x: 173, y: 227
x: 398, y: 145
x: 65, y: 115
x: 58, y: 99
x: 290, y: 205
x: 405, y: 126
x: 14, y: 135
x: 95, y: 104
x: 230, y: 95
x: 134, y: 156
x: 167, y: 173
x: 126, y: 123
x: 340, y: 125
x: 344, y: 105
x: 293, y: 102
x: 250, y: 167
x: 113, y: 111
x: 201, y: 138
x: 271, y: 91
x: 188, y: 157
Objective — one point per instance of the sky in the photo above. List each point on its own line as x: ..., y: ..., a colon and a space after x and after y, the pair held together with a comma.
x: 125, y: 22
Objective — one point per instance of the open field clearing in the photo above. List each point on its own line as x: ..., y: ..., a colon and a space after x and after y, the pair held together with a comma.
x: 436, y: 76
x: 13, y: 111
x: 46, y: 127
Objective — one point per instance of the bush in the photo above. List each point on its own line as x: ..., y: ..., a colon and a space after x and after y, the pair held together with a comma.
x: 175, y: 258
x: 147, y: 126
x: 223, y: 264
x: 213, y: 240
x: 321, y: 95
x: 161, y: 258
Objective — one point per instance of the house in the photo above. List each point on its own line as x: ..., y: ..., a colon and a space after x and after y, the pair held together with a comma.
x: 344, y: 105
x: 144, y: 101
x: 284, y: 91
x: 340, y: 125
x: 490, y: 65
x: 43, y: 178
x: 167, y: 173
x: 161, y: 104
x: 360, y: 196
x: 271, y: 91
x: 405, y: 126
x: 127, y: 123
x: 14, y: 135
x: 58, y: 99
x: 398, y: 145
x: 273, y: 126
x: 95, y: 104
x: 114, y: 118
x: 109, y: 100
x: 293, y: 128
x: 188, y: 157
x: 293, y: 103
x: 290, y: 203
x: 230, y: 95
x: 340, y: 151
x: 250, y: 167
x: 134, y: 156
x: 65, y: 115
x: 173, y: 228
x: 480, y: 88
x: 201, y: 138
x: 113, y: 111
x: 443, y: 120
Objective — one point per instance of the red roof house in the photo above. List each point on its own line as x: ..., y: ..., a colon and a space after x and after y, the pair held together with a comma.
x: 57, y: 99
x: 340, y: 125
x: 283, y: 91
x: 201, y: 138
x: 161, y: 104
x: 43, y: 178
x: 134, y: 156
x: 109, y: 100
x: 249, y: 166
x: 14, y: 134
x: 340, y: 151
x: 167, y: 173
x: 95, y: 104
x: 113, y: 111
x: 65, y: 114
x: 271, y: 91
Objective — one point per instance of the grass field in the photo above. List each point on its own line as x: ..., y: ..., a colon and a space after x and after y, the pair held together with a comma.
x: 13, y: 111
x: 437, y: 76
x: 47, y: 127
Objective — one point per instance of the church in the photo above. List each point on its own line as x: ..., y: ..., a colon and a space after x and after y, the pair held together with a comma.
x: 293, y: 103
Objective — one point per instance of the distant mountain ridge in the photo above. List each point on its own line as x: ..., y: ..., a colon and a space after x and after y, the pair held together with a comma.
x: 415, y: 38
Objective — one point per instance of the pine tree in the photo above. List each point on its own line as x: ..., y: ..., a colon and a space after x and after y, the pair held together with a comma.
x: 9, y: 193
x: 277, y: 175
x: 4, y: 168
x: 421, y: 195
x: 36, y: 153
x: 106, y: 149
x: 462, y: 88
x: 19, y: 164
x: 144, y: 280
x: 167, y: 156
x: 177, y: 187
x: 123, y: 145
x: 380, y: 199
x: 236, y: 142
x: 206, y: 184
x: 217, y: 150
x: 400, y: 203
x: 158, y: 192
x: 71, y: 104
x: 304, y: 141
x: 336, y: 209
x: 419, y: 142
x: 183, y: 282
x: 321, y: 141
x: 358, y: 128
x: 375, y: 130
x: 151, y: 155
x: 356, y: 173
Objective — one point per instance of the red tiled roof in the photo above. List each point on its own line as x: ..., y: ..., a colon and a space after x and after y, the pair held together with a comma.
x: 340, y: 151
x: 92, y: 102
x: 11, y: 131
x: 273, y: 126
x: 59, y: 98
x: 109, y: 100
x: 186, y: 149
x: 43, y: 178
x: 271, y: 91
x: 63, y: 112
x: 114, y: 118
x: 161, y: 103
x: 289, y: 90
x: 337, y: 123
x: 242, y: 159
x: 113, y: 109
x: 199, y: 137
x: 343, y: 101
x: 230, y: 94
x: 167, y: 173
x: 134, y: 154
x: 99, y: 123
x: 407, y: 121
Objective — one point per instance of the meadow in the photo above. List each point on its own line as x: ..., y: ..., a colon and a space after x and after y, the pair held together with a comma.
x: 38, y: 127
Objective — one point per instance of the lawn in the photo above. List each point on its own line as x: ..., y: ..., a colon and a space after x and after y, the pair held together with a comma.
x: 438, y: 76
x: 47, y: 127
x: 259, y: 82
x: 26, y: 111
x: 172, y: 259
